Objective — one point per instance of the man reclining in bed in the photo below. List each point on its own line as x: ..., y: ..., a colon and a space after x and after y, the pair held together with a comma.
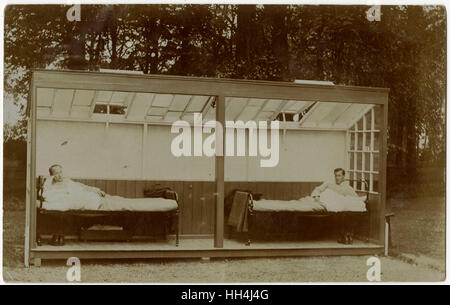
x: 336, y: 196
x: 64, y: 194
x: 339, y: 186
x: 68, y: 194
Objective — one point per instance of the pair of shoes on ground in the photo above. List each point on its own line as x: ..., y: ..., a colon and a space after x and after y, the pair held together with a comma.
x: 57, y: 240
x: 346, y: 239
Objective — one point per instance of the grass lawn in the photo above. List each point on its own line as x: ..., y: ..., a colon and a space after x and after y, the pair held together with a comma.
x: 418, y: 229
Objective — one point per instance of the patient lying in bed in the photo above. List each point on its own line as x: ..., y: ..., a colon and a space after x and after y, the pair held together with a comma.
x: 329, y: 201
x: 337, y: 196
x: 63, y: 194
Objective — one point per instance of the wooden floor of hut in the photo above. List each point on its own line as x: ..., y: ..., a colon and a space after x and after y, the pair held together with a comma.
x: 199, y: 247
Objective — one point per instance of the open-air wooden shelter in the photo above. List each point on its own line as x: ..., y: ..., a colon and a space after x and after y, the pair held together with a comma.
x: 113, y: 131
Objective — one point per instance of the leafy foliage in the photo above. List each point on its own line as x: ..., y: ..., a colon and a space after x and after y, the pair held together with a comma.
x: 404, y: 51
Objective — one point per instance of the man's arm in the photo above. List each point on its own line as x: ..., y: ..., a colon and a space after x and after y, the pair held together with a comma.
x: 89, y: 188
x: 316, y: 192
x: 350, y: 191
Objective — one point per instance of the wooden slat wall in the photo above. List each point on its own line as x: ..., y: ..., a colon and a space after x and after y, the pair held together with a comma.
x: 197, y: 203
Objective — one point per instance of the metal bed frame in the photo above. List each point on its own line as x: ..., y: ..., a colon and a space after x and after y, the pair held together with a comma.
x: 169, y: 215
x: 252, y: 212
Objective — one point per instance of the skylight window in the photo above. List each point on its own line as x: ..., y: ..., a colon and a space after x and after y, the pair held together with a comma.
x: 110, y: 109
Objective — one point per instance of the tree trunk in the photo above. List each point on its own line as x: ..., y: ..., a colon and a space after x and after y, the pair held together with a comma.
x: 280, y: 46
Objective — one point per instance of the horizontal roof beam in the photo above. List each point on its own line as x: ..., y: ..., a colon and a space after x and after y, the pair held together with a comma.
x: 282, y: 125
x: 207, y: 86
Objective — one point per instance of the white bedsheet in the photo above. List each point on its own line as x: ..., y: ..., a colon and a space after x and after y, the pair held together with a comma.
x: 112, y: 203
x: 306, y: 204
x: 335, y: 202
x: 329, y: 201
x: 117, y: 203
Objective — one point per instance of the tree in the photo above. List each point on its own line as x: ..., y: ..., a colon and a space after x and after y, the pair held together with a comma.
x: 405, y: 52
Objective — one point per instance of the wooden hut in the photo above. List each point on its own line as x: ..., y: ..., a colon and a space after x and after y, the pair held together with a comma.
x: 113, y: 131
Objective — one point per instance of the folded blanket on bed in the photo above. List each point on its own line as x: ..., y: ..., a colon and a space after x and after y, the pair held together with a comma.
x: 70, y: 195
x: 113, y: 203
x: 73, y: 196
x: 330, y: 201
x: 305, y: 204
x: 335, y: 202
x: 155, y: 204
x: 239, y: 213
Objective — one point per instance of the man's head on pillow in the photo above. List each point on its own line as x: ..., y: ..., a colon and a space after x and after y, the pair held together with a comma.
x: 56, y: 172
x: 339, y: 175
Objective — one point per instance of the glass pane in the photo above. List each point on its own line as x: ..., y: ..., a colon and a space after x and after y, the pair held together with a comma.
x: 358, y: 161
x: 358, y: 182
x: 100, y: 108
x: 351, y: 160
x: 376, y: 178
x: 352, y: 141
x: 360, y: 124
x: 368, y: 120
x: 353, y: 178
x: 367, y: 146
x: 366, y: 161
x: 378, y: 114
x: 366, y: 178
x: 376, y: 161
x: 360, y: 140
x: 376, y: 141
x: 117, y: 109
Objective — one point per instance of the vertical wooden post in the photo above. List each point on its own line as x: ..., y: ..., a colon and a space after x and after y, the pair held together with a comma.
x: 32, y: 241
x: 220, y: 175
x: 383, y: 169
x: 27, y: 195
x: 144, y: 151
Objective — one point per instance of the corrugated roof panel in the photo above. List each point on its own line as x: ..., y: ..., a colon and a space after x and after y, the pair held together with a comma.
x: 256, y: 102
x: 43, y: 111
x: 197, y: 103
x: 45, y: 97
x: 351, y: 114
x: 169, y: 108
x: 318, y: 113
x: 264, y: 116
x: 248, y: 113
x: 63, y: 101
x: 104, y: 96
x: 272, y: 105
x: 234, y: 106
x: 80, y: 111
x: 335, y: 113
x: 173, y: 116
x: 153, y: 118
x: 162, y: 100
x: 157, y: 111
x: 119, y: 97
x: 296, y: 106
x: 83, y: 97
x: 180, y: 102
x: 140, y: 105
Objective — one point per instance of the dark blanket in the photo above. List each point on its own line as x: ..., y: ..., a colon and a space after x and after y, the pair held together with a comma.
x: 239, y: 212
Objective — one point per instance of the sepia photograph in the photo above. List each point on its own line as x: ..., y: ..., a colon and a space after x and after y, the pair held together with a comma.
x: 224, y: 143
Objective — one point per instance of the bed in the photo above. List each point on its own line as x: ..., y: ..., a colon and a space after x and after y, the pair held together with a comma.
x: 244, y: 208
x: 166, y: 206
